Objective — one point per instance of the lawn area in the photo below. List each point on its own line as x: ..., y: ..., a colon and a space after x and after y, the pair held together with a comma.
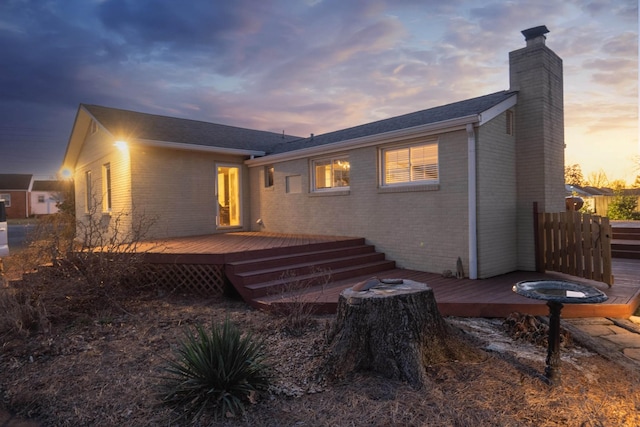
x: 92, y: 358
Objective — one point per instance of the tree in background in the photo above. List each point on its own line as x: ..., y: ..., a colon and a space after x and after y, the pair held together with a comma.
x: 67, y: 202
x: 573, y: 175
x: 597, y: 179
x: 618, y: 184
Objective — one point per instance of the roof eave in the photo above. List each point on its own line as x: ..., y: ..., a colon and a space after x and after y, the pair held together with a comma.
x: 498, y: 109
x: 198, y: 148
x: 386, y: 137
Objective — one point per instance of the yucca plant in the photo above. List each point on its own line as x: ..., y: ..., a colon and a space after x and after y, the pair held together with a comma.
x: 218, y: 371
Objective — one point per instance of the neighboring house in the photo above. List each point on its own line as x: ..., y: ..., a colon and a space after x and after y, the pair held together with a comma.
x: 14, y: 190
x: 45, y: 196
x: 426, y: 188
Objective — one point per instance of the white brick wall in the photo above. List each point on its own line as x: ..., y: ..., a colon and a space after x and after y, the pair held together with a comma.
x: 423, y: 230
x: 177, y: 188
x: 496, y: 199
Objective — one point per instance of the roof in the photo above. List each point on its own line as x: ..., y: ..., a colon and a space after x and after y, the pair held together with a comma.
x: 15, y: 181
x: 432, y: 115
x: 131, y: 124
x: 46, y: 186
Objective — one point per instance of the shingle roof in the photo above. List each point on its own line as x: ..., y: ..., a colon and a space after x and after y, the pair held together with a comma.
x: 124, y: 123
x: 14, y: 181
x: 46, y: 186
x: 423, y: 117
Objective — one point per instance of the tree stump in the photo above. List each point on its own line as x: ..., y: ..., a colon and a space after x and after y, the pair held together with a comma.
x: 391, y: 327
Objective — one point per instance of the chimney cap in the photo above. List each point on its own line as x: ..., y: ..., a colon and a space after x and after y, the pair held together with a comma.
x: 532, y: 33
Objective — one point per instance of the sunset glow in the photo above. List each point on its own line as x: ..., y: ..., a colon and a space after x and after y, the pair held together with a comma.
x: 307, y: 66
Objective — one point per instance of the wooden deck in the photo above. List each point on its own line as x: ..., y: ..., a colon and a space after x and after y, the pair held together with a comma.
x: 491, y: 297
x: 494, y: 297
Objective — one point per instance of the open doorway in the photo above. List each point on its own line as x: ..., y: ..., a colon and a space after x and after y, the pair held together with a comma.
x: 228, y: 193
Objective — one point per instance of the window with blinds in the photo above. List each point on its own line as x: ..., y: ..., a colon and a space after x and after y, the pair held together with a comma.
x: 415, y: 163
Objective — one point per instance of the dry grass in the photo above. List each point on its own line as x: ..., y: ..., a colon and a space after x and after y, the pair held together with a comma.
x: 100, y: 366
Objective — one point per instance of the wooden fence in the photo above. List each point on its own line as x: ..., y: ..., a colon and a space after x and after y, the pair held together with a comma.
x: 574, y: 243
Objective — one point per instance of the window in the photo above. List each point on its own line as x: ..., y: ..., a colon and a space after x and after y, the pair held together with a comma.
x: 7, y: 200
x: 94, y: 127
x: 40, y: 198
x: 331, y: 173
x: 88, y: 197
x: 106, y: 187
x: 415, y: 163
x: 268, y: 176
x: 509, y: 120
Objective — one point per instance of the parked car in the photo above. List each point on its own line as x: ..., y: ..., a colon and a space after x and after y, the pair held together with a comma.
x: 4, y: 239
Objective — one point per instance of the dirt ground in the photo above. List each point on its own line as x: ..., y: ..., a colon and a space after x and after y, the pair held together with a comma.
x: 96, y: 364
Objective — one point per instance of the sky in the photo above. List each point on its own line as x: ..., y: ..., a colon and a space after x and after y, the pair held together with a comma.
x: 306, y: 66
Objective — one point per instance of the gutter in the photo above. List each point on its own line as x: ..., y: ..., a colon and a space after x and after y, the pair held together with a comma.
x: 472, y: 203
x: 365, y: 141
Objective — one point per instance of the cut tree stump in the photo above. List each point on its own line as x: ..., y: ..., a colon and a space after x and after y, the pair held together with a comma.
x: 391, y: 327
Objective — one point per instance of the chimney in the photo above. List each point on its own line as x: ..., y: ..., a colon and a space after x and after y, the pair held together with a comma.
x: 535, y: 72
x: 535, y: 35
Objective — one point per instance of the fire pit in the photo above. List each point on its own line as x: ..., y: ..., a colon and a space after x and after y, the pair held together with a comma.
x: 557, y: 293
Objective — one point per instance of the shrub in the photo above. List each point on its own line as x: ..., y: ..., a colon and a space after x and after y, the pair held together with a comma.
x: 21, y: 313
x: 623, y: 207
x: 216, y: 371
x: 297, y: 313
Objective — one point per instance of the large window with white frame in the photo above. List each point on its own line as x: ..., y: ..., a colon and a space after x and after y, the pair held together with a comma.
x: 409, y: 164
x: 331, y: 173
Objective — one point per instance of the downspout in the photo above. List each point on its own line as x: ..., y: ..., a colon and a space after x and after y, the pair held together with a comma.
x: 473, y: 227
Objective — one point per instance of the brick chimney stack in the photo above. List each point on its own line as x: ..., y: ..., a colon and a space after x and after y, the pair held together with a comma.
x: 535, y: 72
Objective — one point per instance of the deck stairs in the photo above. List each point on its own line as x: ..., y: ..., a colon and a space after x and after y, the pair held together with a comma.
x: 283, y: 270
x: 625, y: 242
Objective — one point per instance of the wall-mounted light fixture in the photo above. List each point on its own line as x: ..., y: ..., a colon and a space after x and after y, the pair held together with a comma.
x: 122, y: 145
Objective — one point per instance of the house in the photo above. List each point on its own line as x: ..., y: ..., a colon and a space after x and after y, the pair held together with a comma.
x: 427, y: 188
x: 45, y: 196
x: 14, y: 190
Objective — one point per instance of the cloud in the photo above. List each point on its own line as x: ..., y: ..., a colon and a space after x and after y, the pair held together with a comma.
x: 302, y: 66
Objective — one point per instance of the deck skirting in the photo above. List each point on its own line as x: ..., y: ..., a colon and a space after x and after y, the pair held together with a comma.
x: 202, y: 279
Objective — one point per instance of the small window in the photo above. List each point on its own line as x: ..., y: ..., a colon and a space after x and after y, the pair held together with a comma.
x: 7, y: 199
x: 509, y: 122
x: 40, y: 198
x: 94, y: 127
x: 268, y: 176
x: 409, y: 164
x: 331, y: 173
x: 88, y: 191
x: 106, y: 187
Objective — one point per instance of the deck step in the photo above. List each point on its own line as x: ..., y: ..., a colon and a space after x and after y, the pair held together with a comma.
x: 629, y: 249
x: 275, y: 272
x: 626, y: 231
x: 266, y: 263
x: 315, y: 279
